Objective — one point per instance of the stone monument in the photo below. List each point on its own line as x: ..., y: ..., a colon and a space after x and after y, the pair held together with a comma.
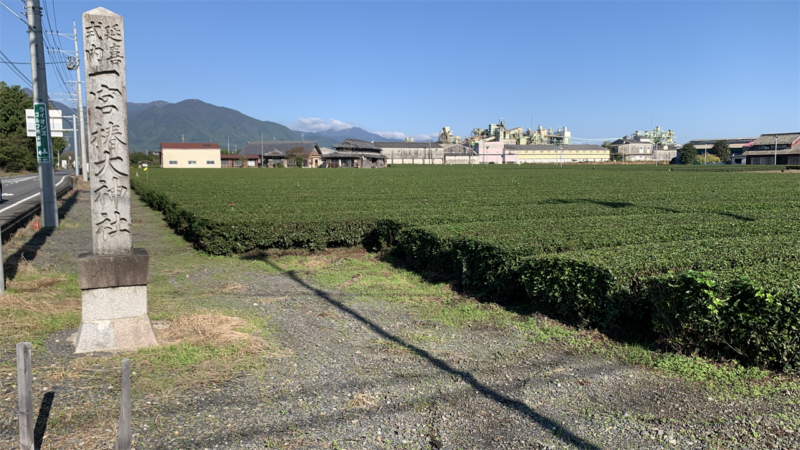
x: 113, y: 278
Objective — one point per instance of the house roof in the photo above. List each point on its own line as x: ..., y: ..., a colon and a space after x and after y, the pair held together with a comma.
x: 783, y: 138
x: 626, y: 141
x: 409, y: 145
x: 254, y: 148
x: 335, y: 155
x: 786, y: 151
x: 356, y: 144
x: 189, y: 146
x: 237, y: 157
x: 556, y: 147
x: 730, y: 140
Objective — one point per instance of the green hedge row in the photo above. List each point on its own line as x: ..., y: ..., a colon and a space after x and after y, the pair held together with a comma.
x: 734, y: 298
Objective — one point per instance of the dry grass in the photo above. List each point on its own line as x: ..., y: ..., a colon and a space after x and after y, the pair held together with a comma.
x: 23, y: 315
x: 20, y: 236
x: 352, y: 280
x: 34, y: 285
x: 362, y: 401
x: 214, y: 329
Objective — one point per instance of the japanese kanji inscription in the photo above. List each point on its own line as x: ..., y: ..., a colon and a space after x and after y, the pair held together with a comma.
x: 104, y: 44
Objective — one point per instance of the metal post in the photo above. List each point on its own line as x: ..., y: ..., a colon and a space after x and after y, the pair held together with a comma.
x: 75, y: 150
x: 776, y: 150
x: 84, y: 149
x: 44, y: 142
x: 124, y: 436
x: 25, y: 391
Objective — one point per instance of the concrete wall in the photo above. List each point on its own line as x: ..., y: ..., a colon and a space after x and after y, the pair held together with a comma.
x: 567, y: 156
x: 182, y: 159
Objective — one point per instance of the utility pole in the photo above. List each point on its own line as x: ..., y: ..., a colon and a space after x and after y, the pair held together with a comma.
x: 84, y: 149
x: 44, y: 143
x: 262, y: 149
x: 655, y: 151
x: 776, y: 149
x: 75, y: 144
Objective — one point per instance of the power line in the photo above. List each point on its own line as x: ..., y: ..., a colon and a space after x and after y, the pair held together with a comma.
x: 53, y: 47
x: 14, y: 68
x: 12, y: 12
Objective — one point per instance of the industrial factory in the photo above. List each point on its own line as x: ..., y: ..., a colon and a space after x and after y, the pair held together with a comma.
x: 499, y: 144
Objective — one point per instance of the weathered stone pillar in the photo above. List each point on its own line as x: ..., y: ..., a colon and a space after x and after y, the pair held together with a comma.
x: 113, y: 278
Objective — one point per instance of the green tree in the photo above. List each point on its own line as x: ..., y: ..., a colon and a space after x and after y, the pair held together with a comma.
x: 17, y: 150
x: 722, y: 149
x: 688, y: 154
x: 295, y: 155
x: 137, y: 157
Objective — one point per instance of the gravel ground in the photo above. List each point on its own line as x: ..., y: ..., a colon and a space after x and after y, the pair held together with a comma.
x: 363, y: 374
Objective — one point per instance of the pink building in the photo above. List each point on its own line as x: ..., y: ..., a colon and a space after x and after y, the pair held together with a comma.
x: 495, y: 151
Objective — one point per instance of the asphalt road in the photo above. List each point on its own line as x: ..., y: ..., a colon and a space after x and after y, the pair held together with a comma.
x: 21, y: 194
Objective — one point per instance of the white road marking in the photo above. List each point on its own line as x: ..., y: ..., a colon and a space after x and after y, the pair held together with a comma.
x: 8, y: 195
x: 32, y: 196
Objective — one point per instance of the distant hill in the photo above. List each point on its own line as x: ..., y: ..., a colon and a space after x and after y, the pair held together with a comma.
x: 150, y: 124
x: 136, y: 108
x: 198, y: 121
x: 354, y: 133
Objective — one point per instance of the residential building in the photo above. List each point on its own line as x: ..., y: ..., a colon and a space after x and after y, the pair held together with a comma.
x: 775, y: 148
x: 355, y: 153
x: 240, y: 161
x: 179, y: 155
x: 284, y: 152
x: 640, y: 148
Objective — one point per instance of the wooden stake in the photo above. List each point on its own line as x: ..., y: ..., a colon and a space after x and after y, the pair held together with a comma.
x: 25, y: 390
x: 124, y: 437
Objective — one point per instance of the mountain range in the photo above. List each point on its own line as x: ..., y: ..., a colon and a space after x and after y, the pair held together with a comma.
x: 353, y: 133
x: 197, y: 121
x: 150, y: 124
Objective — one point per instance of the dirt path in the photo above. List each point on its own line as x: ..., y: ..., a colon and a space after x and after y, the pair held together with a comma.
x: 360, y: 372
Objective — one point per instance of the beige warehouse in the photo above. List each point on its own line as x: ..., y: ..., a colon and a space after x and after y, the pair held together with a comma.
x: 199, y: 155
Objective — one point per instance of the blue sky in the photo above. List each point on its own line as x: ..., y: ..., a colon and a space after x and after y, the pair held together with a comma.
x: 604, y: 69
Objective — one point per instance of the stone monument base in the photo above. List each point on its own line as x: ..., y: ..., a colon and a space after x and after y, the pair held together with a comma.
x: 114, y: 302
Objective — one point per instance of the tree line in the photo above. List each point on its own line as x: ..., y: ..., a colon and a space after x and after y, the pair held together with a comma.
x: 17, y: 150
x: 720, y: 152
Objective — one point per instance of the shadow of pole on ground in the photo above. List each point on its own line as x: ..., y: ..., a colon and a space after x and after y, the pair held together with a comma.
x: 30, y: 249
x: 41, y: 419
x: 563, y: 433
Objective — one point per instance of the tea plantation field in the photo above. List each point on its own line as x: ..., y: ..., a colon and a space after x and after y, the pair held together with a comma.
x: 706, y: 261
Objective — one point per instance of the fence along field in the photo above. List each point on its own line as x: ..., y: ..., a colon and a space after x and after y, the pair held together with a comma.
x: 705, y: 262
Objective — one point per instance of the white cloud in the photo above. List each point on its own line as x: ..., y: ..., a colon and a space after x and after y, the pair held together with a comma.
x: 391, y: 134
x: 426, y: 137
x: 317, y: 124
x: 400, y: 135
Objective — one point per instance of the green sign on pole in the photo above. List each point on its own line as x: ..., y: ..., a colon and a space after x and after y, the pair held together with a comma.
x: 42, y: 132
